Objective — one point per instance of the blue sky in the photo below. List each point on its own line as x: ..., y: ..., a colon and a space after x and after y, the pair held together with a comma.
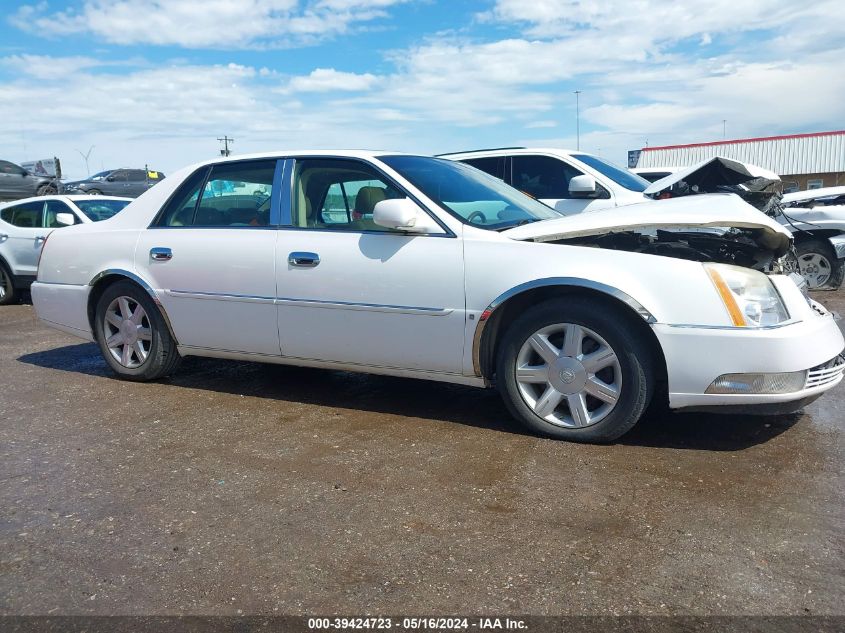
x: 156, y: 82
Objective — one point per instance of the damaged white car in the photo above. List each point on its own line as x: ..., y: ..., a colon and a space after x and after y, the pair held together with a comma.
x: 426, y: 268
x: 816, y: 219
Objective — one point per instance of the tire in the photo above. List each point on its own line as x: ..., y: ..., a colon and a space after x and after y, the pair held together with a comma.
x: 818, y: 264
x: 8, y: 293
x: 94, y: 192
x: 609, y: 396
x: 46, y: 190
x: 142, y: 351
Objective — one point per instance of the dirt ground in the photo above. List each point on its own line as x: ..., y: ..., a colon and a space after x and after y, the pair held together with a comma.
x: 243, y: 488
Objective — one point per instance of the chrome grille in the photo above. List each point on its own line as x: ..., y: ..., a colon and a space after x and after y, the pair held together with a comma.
x: 826, y: 373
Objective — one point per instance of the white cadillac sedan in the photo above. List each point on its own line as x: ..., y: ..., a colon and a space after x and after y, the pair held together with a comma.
x: 427, y: 268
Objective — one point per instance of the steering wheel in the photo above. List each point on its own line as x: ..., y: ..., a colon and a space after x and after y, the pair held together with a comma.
x: 477, y: 214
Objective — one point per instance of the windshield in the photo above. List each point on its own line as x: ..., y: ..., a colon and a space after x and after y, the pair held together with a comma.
x: 469, y: 194
x: 100, y: 209
x: 617, y: 174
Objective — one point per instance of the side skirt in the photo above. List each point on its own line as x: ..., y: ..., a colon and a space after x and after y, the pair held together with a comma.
x: 471, y: 381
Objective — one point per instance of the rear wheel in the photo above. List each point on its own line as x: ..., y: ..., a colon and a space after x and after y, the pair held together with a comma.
x: 132, y: 334
x: 818, y: 264
x: 572, y: 369
x: 8, y: 294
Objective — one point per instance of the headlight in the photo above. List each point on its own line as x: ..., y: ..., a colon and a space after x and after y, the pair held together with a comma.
x: 749, y: 297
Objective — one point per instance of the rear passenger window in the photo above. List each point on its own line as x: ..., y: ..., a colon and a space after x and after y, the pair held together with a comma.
x: 231, y: 195
x: 542, y: 176
x: 27, y: 215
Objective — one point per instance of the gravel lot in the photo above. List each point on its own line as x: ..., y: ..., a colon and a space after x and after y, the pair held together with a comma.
x: 243, y: 488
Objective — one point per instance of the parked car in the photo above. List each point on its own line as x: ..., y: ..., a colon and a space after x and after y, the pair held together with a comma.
x: 816, y: 218
x: 436, y: 270
x: 568, y: 181
x: 116, y: 182
x: 16, y: 182
x: 26, y: 224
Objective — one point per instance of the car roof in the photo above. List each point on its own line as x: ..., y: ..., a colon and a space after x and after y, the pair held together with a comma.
x: 509, y: 151
x: 71, y: 198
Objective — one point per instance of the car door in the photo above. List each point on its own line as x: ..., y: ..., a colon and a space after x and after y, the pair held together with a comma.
x: 352, y: 292
x: 547, y: 179
x: 136, y: 183
x: 210, y: 257
x: 115, y: 184
x: 14, y: 183
x: 24, y: 236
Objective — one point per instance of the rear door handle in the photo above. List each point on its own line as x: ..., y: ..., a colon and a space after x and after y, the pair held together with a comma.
x: 161, y: 254
x: 303, y: 260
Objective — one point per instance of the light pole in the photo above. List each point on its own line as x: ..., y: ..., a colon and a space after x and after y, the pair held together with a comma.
x: 85, y: 158
x: 724, y: 128
x: 577, y: 120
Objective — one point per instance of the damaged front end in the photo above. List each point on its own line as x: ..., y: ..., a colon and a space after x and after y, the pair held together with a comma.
x: 719, y: 228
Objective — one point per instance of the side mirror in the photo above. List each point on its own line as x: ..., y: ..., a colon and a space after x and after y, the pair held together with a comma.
x: 403, y: 214
x: 65, y: 219
x: 582, y: 186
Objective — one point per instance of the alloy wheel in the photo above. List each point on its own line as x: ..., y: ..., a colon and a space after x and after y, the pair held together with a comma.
x: 128, y: 332
x: 568, y: 375
x: 815, y: 268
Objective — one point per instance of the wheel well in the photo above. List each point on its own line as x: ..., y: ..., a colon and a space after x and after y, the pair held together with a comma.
x: 505, y: 314
x: 113, y: 277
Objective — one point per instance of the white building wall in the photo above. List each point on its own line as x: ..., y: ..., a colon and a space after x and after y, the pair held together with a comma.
x: 811, y: 154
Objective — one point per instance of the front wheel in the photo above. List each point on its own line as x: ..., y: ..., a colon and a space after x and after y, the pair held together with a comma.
x: 818, y: 264
x: 573, y: 369
x: 7, y: 286
x: 47, y: 190
x: 132, y: 334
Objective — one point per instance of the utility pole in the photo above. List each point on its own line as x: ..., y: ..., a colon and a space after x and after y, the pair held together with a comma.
x: 577, y: 120
x: 724, y: 128
x: 85, y: 158
x: 225, y: 140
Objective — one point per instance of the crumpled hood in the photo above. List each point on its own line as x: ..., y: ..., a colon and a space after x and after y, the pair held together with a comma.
x: 710, y: 174
x: 723, y: 210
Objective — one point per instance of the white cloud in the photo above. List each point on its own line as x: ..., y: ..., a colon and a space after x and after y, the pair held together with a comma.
x: 330, y: 80
x: 217, y: 24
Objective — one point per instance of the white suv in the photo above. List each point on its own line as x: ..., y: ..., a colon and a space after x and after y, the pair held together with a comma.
x: 26, y: 224
x: 569, y: 181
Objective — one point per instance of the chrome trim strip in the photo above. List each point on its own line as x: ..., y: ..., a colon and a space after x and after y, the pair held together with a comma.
x: 368, y: 307
x: 311, y: 303
x: 138, y: 280
x: 189, y: 294
x: 542, y: 283
x: 746, y: 328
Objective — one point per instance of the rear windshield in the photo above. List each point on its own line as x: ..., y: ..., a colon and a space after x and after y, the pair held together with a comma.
x: 98, y: 209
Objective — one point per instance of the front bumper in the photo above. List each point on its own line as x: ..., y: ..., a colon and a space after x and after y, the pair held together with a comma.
x: 695, y: 357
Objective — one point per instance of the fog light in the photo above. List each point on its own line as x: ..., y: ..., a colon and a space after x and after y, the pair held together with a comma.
x: 788, y: 382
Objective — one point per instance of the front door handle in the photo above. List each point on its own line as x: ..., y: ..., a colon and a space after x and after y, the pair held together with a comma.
x: 161, y: 254
x: 303, y: 260
x: 40, y: 238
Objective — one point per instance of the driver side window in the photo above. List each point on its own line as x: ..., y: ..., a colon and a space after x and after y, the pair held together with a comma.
x: 338, y: 194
